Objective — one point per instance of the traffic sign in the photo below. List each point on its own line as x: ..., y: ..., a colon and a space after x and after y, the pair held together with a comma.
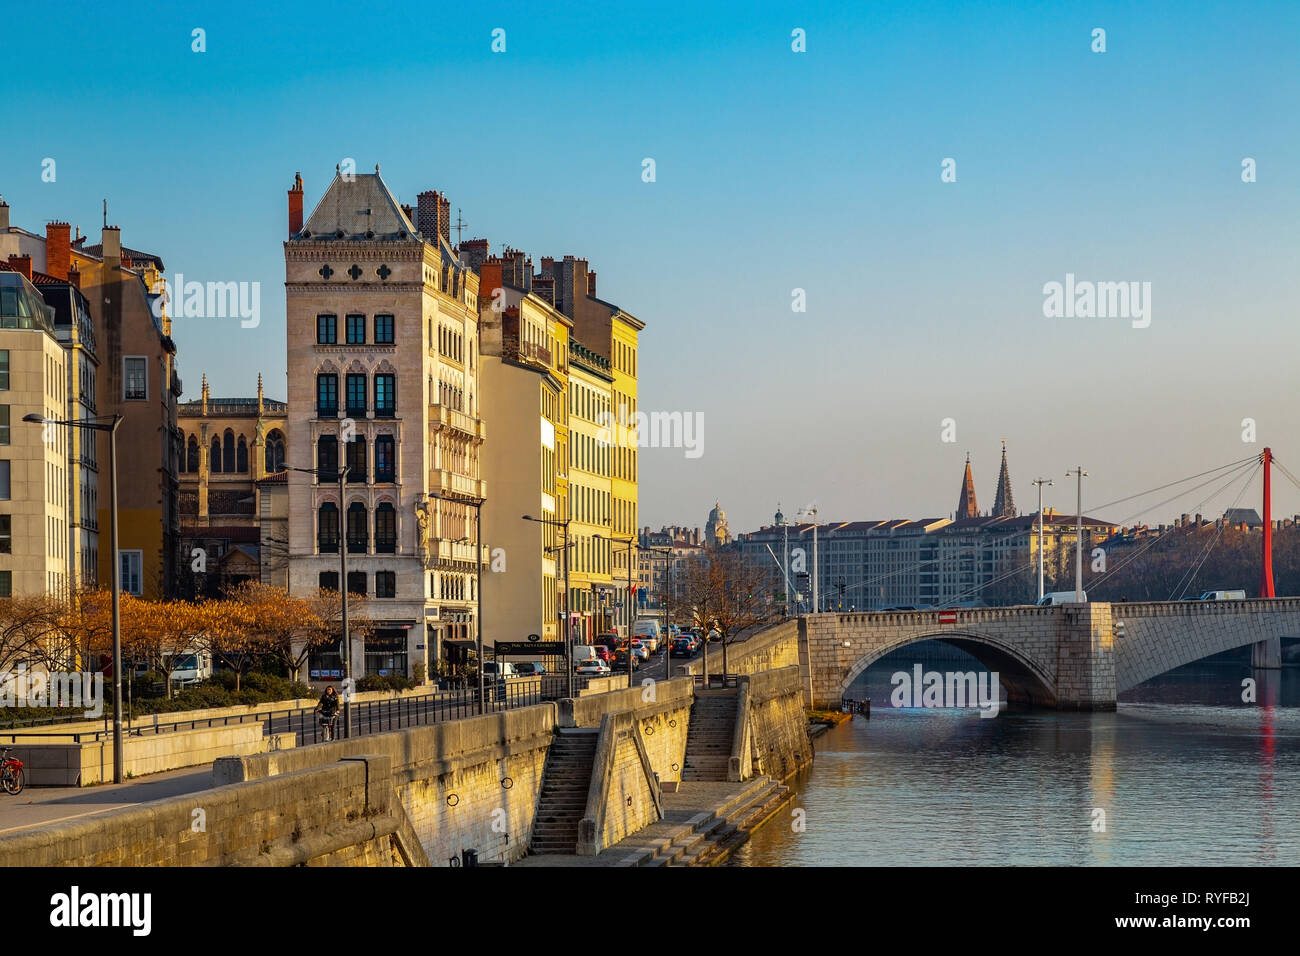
x: 947, y: 617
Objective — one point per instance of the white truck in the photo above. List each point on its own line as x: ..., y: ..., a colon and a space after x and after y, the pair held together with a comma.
x: 1238, y: 595
x: 1060, y: 597
x: 189, y: 667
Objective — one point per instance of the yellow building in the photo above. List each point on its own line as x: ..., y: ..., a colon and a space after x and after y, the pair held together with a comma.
x: 590, y: 469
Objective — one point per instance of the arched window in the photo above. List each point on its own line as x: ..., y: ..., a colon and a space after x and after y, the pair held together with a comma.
x: 214, y: 456
x: 386, y: 529
x: 192, y: 455
x: 241, y: 457
x: 385, y: 463
x: 356, y: 452
x: 327, y: 458
x: 358, y: 528
x: 228, y: 452
x: 274, y: 451
x: 327, y: 528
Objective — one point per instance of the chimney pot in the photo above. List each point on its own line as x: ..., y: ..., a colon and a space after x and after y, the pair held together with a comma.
x: 4, y: 214
x: 295, y: 206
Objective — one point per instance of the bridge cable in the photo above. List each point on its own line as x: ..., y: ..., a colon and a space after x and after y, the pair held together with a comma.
x: 1196, y: 568
x: 1141, y: 494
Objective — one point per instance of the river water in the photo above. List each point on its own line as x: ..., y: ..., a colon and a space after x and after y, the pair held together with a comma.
x: 1183, y: 773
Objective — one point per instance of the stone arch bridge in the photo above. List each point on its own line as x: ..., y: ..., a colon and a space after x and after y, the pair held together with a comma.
x: 1071, y: 657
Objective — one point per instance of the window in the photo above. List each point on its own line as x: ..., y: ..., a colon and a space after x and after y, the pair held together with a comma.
x: 358, y: 528
x: 327, y: 458
x: 228, y: 453
x: 4, y: 424
x: 326, y: 330
x: 6, y: 584
x: 327, y: 394
x: 132, y: 572
x: 6, y: 533
x: 384, y: 455
x: 241, y: 457
x: 356, y: 452
x: 327, y: 529
x: 385, y: 398
x: 385, y: 584
x: 329, y: 580
x: 357, y: 582
x: 383, y: 330
x: 4, y: 368
x: 4, y: 481
x: 192, y: 455
x: 214, y: 456
x: 275, y: 451
x: 356, y: 385
x: 385, y: 531
x: 356, y: 330
x: 135, y: 377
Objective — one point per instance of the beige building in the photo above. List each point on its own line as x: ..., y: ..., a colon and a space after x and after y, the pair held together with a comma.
x: 35, y: 544
x: 524, y: 376
x: 383, y: 362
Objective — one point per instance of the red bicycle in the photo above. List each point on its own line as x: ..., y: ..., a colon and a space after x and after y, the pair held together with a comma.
x: 11, y: 772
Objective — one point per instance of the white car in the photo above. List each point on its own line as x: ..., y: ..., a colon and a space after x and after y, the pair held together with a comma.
x: 596, y: 668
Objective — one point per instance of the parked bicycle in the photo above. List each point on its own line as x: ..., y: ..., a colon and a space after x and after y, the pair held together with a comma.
x: 11, y: 773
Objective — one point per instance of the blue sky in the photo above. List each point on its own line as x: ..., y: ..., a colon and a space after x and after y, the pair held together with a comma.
x: 775, y: 170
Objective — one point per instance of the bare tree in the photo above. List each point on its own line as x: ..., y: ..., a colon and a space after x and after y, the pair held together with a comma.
x: 726, y: 592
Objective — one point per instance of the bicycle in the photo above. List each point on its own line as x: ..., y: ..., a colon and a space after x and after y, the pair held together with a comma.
x: 11, y: 772
x: 327, y: 724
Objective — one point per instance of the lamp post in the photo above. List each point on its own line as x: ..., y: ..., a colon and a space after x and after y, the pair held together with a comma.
x: 563, y: 525
x: 1040, y: 482
x: 345, y: 644
x: 106, y: 424
x: 477, y: 505
x: 667, y: 554
x: 1078, y: 541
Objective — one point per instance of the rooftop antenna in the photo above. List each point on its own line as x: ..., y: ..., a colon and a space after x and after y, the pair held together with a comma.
x: 105, y: 213
x: 460, y: 224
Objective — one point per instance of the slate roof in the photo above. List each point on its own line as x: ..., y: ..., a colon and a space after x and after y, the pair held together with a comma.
x: 360, y: 207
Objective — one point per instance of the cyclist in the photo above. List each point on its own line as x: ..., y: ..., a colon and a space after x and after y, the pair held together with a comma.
x: 328, y: 708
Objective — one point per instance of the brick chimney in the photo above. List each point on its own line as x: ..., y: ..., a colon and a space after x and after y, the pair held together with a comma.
x: 591, y: 286
x: 474, y: 252
x: 21, y: 264
x: 58, y: 249
x: 409, y: 213
x: 4, y: 214
x: 295, y: 206
x: 433, y: 215
x: 489, y: 278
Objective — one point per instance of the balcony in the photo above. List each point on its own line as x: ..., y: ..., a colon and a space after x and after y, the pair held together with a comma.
x: 445, y: 416
x: 450, y: 483
x: 455, y: 551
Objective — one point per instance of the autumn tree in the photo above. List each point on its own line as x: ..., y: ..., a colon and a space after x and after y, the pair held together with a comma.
x: 288, y: 627
x: 726, y: 591
x: 29, y: 630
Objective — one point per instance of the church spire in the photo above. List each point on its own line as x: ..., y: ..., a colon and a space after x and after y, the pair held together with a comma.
x: 966, y: 507
x: 1004, y: 506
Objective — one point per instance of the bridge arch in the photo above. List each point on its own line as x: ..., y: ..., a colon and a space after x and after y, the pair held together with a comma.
x: 1026, y: 680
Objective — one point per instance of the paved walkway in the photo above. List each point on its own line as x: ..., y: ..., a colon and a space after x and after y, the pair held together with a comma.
x: 691, y: 805
x: 37, y: 806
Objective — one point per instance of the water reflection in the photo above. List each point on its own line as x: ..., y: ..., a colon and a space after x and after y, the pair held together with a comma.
x: 1186, y: 772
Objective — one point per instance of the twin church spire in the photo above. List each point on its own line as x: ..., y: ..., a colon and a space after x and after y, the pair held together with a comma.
x: 1004, y: 505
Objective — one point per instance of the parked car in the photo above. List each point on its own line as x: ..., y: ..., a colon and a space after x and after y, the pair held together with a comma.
x: 494, y: 671
x: 595, y: 667
x: 530, y: 669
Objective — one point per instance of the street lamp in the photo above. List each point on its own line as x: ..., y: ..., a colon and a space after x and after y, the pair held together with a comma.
x: 477, y: 505
x: 667, y: 554
x: 563, y: 525
x: 106, y: 424
x: 345, y: 646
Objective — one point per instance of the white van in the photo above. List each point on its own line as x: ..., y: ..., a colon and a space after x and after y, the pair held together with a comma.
x: 502, y: 670
x: 1060, y: 597
x: 1238, y: 595
x: 648, y: 627
x: 584, y: 652
x: 189, y: 667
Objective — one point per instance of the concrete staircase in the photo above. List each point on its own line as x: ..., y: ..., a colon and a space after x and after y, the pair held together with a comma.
x: 566, y: 778
x: 709, y: 735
